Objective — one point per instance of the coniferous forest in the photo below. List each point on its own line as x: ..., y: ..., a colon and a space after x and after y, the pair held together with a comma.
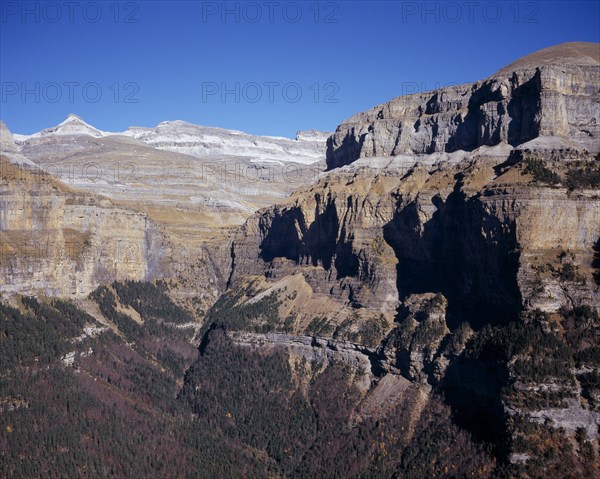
x: 83, y: 399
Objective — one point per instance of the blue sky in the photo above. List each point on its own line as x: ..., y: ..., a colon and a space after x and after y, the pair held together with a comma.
x: 268, y: 68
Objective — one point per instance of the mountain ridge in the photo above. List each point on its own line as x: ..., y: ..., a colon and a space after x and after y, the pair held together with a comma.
x: 410, y: 246
x: 557, y: 99
x: 423, y: 311
x: 199, y: 141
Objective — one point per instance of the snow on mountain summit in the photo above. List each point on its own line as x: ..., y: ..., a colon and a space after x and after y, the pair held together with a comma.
x: 73, y: 125
x: 203, y: 141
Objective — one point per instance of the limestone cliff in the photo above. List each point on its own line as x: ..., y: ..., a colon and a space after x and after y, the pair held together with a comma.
x: 371, y: 240
x: 468, y: 220
x: 551, y: 93
x: 56, y: 241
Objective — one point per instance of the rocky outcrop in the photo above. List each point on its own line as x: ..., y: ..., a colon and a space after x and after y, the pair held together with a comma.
x: 414, y: 348
x: 372, y: 240
x: 313, y: 349
x: 548, y: 94
x: 333, y: 235
x: 9, y: 149
x: 58, y: 242
x: 7, y: 143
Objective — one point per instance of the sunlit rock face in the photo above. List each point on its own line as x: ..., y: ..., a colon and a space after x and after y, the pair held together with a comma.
x: 60, y: 242
x: 551, y: 95
x: 147, y: 202
x: 455, y: 214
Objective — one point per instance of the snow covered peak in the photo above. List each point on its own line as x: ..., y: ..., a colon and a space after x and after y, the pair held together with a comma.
x: 73, y: 125
x: 201, y: 141
x: 71, y: 117
x: 212, y: 142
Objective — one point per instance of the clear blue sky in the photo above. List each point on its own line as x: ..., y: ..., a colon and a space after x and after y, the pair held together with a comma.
x: 140, y: 63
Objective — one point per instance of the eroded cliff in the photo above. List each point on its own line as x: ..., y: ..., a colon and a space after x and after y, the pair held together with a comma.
x: 551, y: 93
x: 459, y: 245
x: 59, y: 242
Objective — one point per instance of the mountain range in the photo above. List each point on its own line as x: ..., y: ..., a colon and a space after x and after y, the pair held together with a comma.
x: 413, y: 295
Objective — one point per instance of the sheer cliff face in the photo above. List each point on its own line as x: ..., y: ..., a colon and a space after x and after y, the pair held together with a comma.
x: 461, y: 210
x: 332, y: 233
x: 147, y: 193
x: 469, y: 219
x: 556, y: 96
x: 59, y: 242
x: 372, y: 240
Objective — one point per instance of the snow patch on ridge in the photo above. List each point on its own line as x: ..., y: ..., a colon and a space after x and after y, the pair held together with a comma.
x: 203, y: 141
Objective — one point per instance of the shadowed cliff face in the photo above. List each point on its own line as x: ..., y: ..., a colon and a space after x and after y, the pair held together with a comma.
x: 331, y: 236
x: 492, y: 244
x: 523, y: 109
x: 462, y: 251
x: 324, y: 242
x: 281, y: 237
x: 480, y: 240
x: 491, y: 118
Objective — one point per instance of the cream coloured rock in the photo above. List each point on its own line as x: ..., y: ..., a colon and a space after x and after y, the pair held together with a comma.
x: 58, y: 242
